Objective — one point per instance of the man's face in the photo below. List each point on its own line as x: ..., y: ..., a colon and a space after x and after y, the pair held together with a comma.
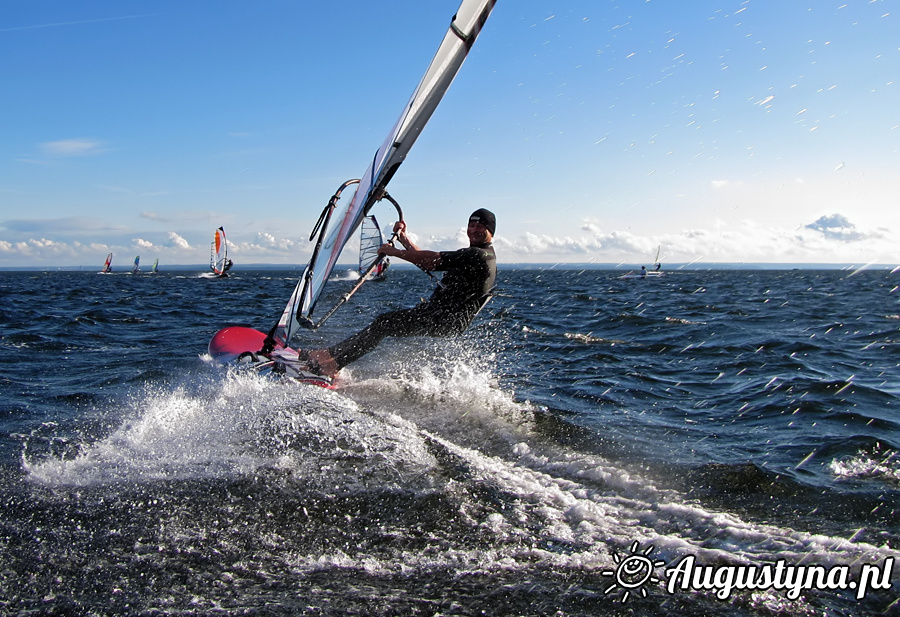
x: 478, y: 233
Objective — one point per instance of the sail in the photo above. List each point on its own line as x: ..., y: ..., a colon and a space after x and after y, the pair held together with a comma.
x: 218, y: 252
x: 155, y: 266
x: 369, y: 242
x: 137, y: 265
x: 107, y: 266
x: 344, y: 220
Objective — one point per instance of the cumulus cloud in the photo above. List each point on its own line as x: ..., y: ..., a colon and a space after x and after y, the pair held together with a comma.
x: 451, y: 242
x: 826, y: 241
x: 268, y: 248
x: 269, y: 241
x: 829, y: 239
x: 531, y: 244
x: 178, y: 242
x: 836, y: 227
x: 36, y: 249
x: 266, y: 239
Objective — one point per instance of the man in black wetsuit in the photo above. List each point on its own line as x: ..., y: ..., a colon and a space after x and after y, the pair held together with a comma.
x: 469, y: 276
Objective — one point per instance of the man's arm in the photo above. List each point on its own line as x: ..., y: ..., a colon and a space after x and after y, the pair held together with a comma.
x: 400, y: 230
x: 427, y: 260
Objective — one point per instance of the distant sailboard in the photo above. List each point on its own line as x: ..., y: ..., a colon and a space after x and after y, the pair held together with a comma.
x: 644, y: 273
x: 339, y: 220
x: 641, y: 275
x: 107, y: 266
x: 137, y: 265
x: 218, y: 254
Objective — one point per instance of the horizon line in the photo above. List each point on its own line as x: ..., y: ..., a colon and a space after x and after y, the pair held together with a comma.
x: 511, y: 265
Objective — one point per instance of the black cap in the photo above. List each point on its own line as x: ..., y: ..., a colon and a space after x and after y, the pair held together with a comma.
x: 486, y: 218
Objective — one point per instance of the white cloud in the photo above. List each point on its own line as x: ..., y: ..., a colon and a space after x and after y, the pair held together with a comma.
x: 837, y: 227
x: 266, y: 239
x: 270, y: 242
x: 37, y: 251
x: 829, y: 239
x: 178, y: 242
x: 72, y: 147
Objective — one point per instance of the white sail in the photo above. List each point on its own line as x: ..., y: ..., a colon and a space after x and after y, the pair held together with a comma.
x: 657, y: 266
x: 370, y: 240
x: 464, y: 28
x: 218, y: 252
x: 107, y: 265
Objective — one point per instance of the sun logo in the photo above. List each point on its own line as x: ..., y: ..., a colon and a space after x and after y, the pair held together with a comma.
x: 633, y: 571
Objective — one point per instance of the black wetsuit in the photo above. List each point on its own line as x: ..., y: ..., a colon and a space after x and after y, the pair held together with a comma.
x: 469, y: 276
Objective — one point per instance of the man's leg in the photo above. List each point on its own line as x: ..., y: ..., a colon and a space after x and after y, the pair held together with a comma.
x: 421, y: 320
x: 405, y: 322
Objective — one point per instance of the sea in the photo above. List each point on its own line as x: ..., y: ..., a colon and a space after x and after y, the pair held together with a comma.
x: 707, y: 442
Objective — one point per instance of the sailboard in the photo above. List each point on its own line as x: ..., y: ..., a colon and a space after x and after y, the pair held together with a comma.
x: 380, y: 273
x: 137, y: 265
x: 644, y: 273
x: 155, y: 267
x: 218, y: 258
x: 107, y: 265
x: 370, y: 240
x: 340, y: 220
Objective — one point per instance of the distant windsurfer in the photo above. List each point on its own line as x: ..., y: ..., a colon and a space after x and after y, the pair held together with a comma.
x: 381, y: 270
x: 469, y: 276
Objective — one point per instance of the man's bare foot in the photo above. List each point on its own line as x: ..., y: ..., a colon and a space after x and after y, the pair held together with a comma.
x: 326, y: 363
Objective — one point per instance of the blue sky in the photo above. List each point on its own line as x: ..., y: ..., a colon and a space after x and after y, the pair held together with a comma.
x: 596, y: 130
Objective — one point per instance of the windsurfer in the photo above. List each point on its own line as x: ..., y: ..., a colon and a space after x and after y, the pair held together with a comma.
x: 469, y: 276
